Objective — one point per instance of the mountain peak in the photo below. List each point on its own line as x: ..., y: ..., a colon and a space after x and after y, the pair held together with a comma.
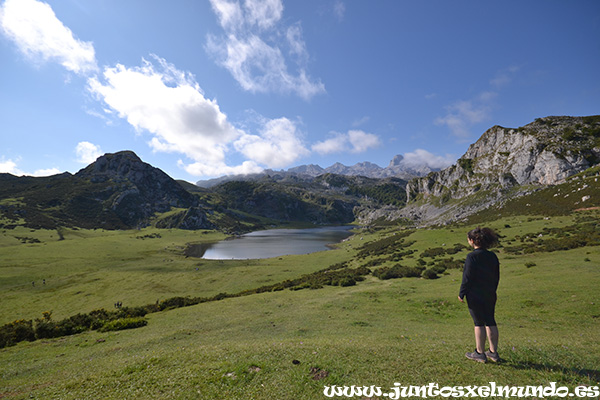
x: 396, y: 161
x: 123, y: 164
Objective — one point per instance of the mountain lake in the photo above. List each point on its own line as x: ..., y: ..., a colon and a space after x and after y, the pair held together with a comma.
x: 271, y: 243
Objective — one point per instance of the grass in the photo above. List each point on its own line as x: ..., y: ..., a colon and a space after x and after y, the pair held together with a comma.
x: 95, y: 269
x: 289, y: 344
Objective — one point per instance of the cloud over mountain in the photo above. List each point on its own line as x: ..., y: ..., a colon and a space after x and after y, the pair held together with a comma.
x: 354, y: 141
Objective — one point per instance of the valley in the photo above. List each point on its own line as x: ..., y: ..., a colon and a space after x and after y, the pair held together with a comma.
x: 84, y: 256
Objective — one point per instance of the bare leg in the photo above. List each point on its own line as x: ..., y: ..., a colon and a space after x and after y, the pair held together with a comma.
x: 480, y: 335
x: 492, y: 335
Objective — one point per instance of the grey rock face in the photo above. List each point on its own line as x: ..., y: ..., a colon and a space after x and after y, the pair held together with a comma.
x: 544, y: 152
x: 504, y: 163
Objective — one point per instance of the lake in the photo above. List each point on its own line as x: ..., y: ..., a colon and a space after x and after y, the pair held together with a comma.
x: 271, y: 243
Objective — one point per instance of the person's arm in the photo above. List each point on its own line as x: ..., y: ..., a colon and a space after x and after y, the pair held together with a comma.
x: 497, y: 271
x: 466, y: 279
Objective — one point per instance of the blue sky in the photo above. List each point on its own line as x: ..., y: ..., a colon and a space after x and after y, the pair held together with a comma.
x: 206, y: 88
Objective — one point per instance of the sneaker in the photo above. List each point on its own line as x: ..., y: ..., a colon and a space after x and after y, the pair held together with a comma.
x: 492, y: 356
x: 475, y: 356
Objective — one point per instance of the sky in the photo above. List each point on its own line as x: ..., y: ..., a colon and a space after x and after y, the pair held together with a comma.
x: 205, y: 88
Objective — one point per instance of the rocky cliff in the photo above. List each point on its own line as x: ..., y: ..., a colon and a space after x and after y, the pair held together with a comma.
x: 503, y: 162
x: 544, y: 152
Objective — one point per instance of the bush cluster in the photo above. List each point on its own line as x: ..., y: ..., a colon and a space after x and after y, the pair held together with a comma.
x: 124, y: 323
x: 398, y: 271
x: 45, y: 327
x: 440, y: 251
x: 386, y: 245
x: 570, y: 237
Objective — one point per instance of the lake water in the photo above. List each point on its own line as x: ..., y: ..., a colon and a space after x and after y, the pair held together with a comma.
x: 271, y: 243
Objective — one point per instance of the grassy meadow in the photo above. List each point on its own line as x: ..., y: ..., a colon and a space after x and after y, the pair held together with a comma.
x: 289, y: 344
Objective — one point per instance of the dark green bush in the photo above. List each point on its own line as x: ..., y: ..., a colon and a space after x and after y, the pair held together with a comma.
x: 123, y: 323
x: 466, y: 164
x: 397, y: 271
x: 15, y: 332
x: 429, y: 273
x: 433, y: 252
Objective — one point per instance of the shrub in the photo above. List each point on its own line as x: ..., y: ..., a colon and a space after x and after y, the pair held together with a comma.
x: 347, y: 281
x: 466, y: 164
x: 397, y: 271
x: 429, y: 273
x: 124, y: 323
x: 15, y: 332
x: 176, y: 302
x: 437, y: 268
x: 433, y: 252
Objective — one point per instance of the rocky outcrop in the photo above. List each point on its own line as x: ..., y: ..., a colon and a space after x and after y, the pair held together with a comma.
x: 544, y: 152
x: 504, y: 163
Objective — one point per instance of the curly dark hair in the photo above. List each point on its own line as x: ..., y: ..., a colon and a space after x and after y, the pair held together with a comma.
x: 484, y: 238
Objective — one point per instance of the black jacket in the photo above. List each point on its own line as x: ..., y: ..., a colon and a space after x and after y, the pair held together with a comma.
x: 480, y: 277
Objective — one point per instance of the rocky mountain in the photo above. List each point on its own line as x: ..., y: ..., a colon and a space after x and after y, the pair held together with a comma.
x: 397, y: 168
x: 504, y: 163
x: 120, y: 191
x: 117, y: 191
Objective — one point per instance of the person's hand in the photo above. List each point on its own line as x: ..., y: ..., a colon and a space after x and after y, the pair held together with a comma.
x: 461, y: 300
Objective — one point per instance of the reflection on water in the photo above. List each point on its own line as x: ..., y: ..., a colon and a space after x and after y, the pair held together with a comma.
x: 271, y: 243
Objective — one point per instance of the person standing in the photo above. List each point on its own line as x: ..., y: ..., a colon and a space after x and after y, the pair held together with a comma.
x: 480, y: 279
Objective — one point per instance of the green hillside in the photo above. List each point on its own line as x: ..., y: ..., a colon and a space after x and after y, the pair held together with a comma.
x: 102, y: 298
x: 289, y: 344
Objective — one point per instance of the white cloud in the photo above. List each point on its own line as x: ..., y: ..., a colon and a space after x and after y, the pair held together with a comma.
x: 462, y: 115
x: 421, y: 157
x: 296, y: 43
x: 504, y: 77
x: 339, y: 9
x: 10, y: 167
x: 171, y: 106
x: 362, y: 141
x: 87, y: 152
x: 361, y: 121
x: 200, y: 168
x: 263, y: 13
x: 46, y: 172
x: 229, y: 13
x: 355, y: 141
x: 336, y: 144
x: 278, y: 145
x: 41, y: 36
x: 256, y: 65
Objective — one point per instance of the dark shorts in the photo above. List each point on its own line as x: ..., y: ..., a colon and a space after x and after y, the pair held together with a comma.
x: 482, y: 312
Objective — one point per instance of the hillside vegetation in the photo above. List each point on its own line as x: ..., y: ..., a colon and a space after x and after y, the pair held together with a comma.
x: 102, y: 298
x: 287, y: 344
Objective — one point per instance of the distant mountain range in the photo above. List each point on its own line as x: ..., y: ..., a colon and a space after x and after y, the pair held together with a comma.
x: 505, y: 168
x: 397, y: 168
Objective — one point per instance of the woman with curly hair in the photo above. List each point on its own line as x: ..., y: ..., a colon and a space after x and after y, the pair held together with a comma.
x: 479, y: 283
